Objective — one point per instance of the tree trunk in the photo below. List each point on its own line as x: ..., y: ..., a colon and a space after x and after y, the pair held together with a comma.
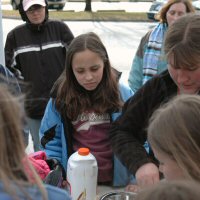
x: 88, y: 5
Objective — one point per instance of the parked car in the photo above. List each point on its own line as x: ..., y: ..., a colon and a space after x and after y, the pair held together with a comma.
x: 56, y: 4
x: 157, y: 5
x: 15, y: 4
x: 52, y: 4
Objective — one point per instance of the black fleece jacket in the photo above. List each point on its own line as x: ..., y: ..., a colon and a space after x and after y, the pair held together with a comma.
x: 39, y: 54
x: 128, y: 133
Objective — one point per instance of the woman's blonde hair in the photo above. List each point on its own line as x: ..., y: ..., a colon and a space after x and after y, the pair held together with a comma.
x: 174, y: 129
x: 173, y: 190
x: 12, y: 148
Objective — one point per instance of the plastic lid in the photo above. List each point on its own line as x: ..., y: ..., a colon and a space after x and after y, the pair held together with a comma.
x: 83, y: 151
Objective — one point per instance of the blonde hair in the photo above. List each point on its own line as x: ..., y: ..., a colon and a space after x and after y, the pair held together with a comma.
x: 173, y: 190
x: 12, y: 149
x: 174, y: 129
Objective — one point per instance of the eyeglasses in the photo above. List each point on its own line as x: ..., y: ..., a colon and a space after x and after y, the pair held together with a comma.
x: 37, y: 8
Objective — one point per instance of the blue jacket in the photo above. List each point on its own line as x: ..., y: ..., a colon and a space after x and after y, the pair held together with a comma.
x: 54, y: 143
x: 34, y: 193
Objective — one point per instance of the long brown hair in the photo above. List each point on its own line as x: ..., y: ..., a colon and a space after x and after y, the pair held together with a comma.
x: 12, y: 147
x: 174, y: 130
x: 105, y: 98
x: 162, y: 15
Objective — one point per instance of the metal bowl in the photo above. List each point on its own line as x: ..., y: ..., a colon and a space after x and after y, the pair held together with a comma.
x: 118, y: 196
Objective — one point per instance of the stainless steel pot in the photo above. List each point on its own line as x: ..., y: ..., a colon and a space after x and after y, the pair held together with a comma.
x: 118, y: 196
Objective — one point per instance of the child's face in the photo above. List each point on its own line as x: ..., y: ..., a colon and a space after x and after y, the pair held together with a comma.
x: 88, y: 69
x: 168, y: 166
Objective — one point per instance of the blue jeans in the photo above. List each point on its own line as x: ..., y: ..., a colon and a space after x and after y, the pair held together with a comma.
x: 34, y: 126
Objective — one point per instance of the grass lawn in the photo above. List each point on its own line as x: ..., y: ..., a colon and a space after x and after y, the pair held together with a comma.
x: 84, y: 16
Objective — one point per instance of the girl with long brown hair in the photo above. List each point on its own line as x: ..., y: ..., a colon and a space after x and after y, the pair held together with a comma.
x: 85, y: 100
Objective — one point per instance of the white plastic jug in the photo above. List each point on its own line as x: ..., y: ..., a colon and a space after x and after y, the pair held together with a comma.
x: 82, y: 173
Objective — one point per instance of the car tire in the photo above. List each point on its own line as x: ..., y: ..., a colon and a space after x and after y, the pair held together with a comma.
x: 61, y: 7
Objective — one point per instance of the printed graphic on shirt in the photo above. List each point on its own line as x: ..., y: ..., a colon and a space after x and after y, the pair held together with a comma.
x: 86, y: 120
x: 91, y: 131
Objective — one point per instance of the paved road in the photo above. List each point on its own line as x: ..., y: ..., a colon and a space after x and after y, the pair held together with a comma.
x: 120, y: 38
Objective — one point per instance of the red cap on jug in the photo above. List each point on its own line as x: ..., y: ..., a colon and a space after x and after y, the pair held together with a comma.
x: 83, y: 151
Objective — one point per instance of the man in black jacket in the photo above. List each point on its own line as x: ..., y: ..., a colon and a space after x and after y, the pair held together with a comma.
x: 36, y: 52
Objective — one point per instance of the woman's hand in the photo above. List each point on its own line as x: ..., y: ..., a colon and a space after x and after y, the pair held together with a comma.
x: 147, y: 175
